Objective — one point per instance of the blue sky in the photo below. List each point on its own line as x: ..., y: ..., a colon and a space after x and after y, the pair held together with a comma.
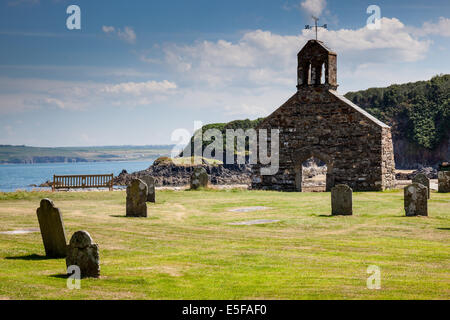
x: 138, y: 70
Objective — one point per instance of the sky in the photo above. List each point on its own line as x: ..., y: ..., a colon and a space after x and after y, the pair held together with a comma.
x: 138, y: 70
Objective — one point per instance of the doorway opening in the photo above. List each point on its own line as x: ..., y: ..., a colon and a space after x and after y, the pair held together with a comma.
x: 312, y: 176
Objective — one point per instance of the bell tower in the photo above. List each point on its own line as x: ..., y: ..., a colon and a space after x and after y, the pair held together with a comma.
x: 317, y: 66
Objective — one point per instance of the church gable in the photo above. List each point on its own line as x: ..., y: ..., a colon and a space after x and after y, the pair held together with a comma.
x: 318, y: 122
x: 327, y: 105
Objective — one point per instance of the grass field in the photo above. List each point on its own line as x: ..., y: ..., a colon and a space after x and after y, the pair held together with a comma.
x: 186, y: 249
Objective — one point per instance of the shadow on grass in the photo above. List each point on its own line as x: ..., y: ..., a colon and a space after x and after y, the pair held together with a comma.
x: 31, y: 257
x: 443, y: 229
x: 60, y: 276
x: 132, y: 218
x: 126, y: 217
x: 118, y: 216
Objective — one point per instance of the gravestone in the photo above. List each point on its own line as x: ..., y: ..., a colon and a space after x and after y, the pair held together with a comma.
x: 423, y: 180
x: 416, y: 200
x: 137, y: 193
x: 52, y: 229
x: 150, y: 182
x: 199, y: 178
x: 444, y: 178
x: 341, y: 200
x: 83, y: 252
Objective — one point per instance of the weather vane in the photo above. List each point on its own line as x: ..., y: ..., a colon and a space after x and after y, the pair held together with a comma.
x: 308, y: 27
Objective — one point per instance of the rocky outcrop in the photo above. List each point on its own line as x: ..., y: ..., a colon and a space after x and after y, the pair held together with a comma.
x: 430, y: 172
x: 170, y: 174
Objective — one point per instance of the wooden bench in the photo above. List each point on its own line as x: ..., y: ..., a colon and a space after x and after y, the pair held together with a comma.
x: 83, y: 181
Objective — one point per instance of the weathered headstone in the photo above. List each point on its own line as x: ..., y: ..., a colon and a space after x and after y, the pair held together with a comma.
x: 341, y: 200
x: 199, y: 178
x: 137, y: 193
x: 150, y: 182
x: 416, y: 200
x: 422, y: 179
x: 83, y: 252
x: 52, y: 229
x: 444, y: 178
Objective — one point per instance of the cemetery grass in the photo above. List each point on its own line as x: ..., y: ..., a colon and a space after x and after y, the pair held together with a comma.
x: 186, y: 249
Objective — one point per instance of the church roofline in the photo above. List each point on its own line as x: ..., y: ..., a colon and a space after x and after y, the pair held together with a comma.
x: 359, y: 109
x: 322, y: 44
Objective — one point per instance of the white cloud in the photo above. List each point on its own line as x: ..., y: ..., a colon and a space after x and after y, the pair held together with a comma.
x: 244, y: 109
x: 33, y: 94
x: 108, y: 29
x: 54, y: 102
x: 249, y: 77
x: 127, y: 34
x: 139, y: 88
x: 392, y: 41
x: 314, y: 7
x: 440, y: 28
x: 262, y: 58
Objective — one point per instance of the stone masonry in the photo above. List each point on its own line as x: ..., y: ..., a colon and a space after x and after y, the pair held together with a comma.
x: 318, y: 122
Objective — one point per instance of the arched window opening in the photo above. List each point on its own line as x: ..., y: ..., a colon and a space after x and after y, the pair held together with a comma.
x: 323, y: 78
x: 309, y: 73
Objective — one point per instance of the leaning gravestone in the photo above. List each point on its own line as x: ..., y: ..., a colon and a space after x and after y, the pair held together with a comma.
x: 422, y: 179
x: 341, y: 200
x: 416, y: 200
x: 137, y: 193
x: 199, y: 178
x: 444, y: 178
x: 83, y: 252
x: 52, y: 229
x: 150, y: 182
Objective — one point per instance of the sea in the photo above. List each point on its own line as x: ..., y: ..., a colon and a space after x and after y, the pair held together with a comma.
x: 15, y: 177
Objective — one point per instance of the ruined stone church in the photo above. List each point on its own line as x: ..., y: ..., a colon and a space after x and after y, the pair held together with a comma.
x: 317, y: 122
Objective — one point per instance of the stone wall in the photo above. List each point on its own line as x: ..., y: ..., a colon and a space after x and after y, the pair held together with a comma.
x: 317, y: 122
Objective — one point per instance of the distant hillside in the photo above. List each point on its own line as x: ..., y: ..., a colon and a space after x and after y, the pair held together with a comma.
x: 419, y: 114
x: 26, y: 154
